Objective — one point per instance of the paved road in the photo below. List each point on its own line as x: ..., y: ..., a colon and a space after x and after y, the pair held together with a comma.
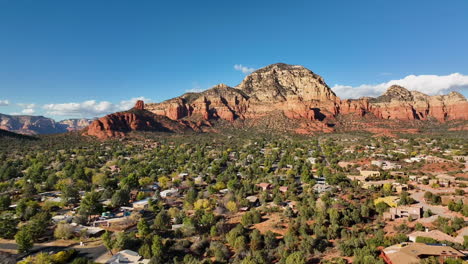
x: 93, y: 252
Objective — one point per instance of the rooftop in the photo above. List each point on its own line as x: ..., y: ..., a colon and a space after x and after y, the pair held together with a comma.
x: 409, y: 253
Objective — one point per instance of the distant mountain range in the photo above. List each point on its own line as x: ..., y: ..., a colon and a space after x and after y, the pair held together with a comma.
x: 287, y: 98
x: 33, y: 125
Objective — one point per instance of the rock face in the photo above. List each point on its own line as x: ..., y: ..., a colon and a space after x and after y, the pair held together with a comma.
x: 292, y: 90
x: 137, y: 119
x: 297, y: 93
x: 75, y: 124
x: 33, y: 125
x: 286, y: 97
x: 140, y: 105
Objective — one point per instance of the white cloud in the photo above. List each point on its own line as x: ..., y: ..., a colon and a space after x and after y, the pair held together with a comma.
x: 243, y: 69
x: 27, y: 105
x: 90, y: 108
x: 195, y: 90
x: 28, y: 111
x: 428, y: 84
x: 4, y: 102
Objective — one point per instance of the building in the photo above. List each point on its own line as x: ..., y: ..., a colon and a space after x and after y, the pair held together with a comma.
x: 264, y: 186
x: 253, y: 200
x: 169, y: 193
x: 400, y: 187
x: 385, y: 165
x: 415, y: 212
x: 128, y: 257
x: 434, y: 234
x: 141, y: 205
x: 321, y: 188
x: 446, y: 180
x: 413, y: 253
x: 378, y: 163
x: 433, y: 159
x: 345, y: 164
x: 369, y: 173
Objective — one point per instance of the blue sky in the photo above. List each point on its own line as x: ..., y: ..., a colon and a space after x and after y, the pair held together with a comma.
x: 99, y: 55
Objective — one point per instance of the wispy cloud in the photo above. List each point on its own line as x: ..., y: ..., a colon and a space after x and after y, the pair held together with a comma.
x: 428, y: 84
x: 4, y: 103
x: 28, y: 111
x: 23, y: 105
x: 243, y: 69
x: 195, y: 89
x: 90, y: 108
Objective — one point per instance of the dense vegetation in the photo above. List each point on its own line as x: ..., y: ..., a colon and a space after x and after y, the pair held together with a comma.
x: 214, y: 174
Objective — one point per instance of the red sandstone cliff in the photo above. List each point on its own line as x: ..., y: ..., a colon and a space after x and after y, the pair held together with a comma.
x: 137, y: 119
x: 298, y: 93
x: 283, y: 91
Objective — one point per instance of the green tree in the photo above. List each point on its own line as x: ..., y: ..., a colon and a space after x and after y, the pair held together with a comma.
x: 81, y: 260
x: 256, y: 240
x: 219, y: 251
x: 381, y: 207
x: 7, y: 225
x: 157, y: 246
x: 24, y: 240
x: 162, y: 221
x: 107, y: 240
x: 63, y: 231
x: 90, y: 204
x: 5, y: 202
x: 296, y: 258
x: 145, y: 251
x: 120, y: 197
x: 122, y: 241
x: 37, y: 226
x: 143, y: 228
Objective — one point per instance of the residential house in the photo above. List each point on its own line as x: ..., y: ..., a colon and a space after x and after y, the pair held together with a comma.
x: 369, y: 173
x: 415, y: 212
x: 321, y: 188
x: 446, y: 180
x: 141, y: 205
x: 264, y: 186
x: 169, y: 193
x: 253, y: 200
x: 283, y: 189
x: 127, y: 256
x: 434, y: 234
x: 413, y: 253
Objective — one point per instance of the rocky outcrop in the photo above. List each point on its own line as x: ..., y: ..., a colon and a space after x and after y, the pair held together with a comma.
x: 137, y: 119
x: 294, y: 93
x: 33, y: 125
x: 75, y: 124
x: 282, y: 82
x: 400, y: 104
x: 140, y: 105
x: 219, y: 102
